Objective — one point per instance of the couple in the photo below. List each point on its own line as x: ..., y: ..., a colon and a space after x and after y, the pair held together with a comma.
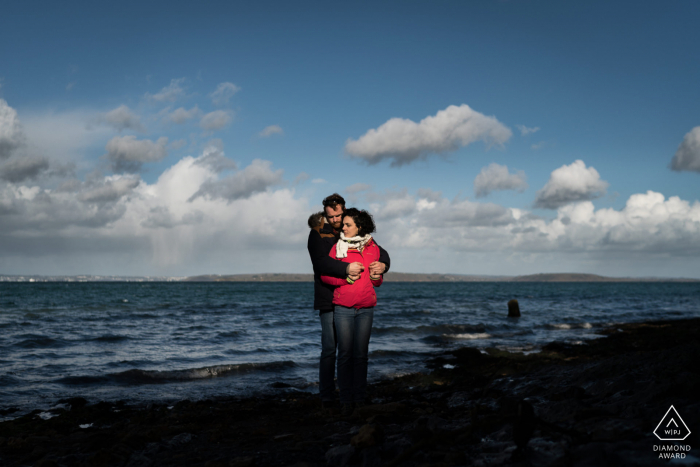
x: 347, y: 264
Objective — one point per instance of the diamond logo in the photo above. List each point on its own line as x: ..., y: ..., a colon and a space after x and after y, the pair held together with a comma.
x: 672, y: 427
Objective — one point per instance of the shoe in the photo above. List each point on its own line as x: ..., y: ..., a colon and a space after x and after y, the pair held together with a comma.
x: 346, y: 409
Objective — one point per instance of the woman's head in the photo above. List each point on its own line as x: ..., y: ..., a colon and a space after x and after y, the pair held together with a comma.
x: 357, y: 222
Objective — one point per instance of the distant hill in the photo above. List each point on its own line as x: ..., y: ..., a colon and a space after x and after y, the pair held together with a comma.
x: 417, y: 277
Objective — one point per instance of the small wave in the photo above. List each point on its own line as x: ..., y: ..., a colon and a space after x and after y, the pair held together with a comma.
x: 40, y: 342
x: 193, y: 374
x: 229, y: 334
x: 110, y: 338
x: 435, y: 329
x: 478, y: 335
x: 568, y: 325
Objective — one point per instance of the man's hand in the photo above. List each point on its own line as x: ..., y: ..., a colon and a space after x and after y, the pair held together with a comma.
x: 377, y: 268
x: 354, y: 270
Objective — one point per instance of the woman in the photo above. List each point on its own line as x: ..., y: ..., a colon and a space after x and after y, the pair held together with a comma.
x: 354, y: 306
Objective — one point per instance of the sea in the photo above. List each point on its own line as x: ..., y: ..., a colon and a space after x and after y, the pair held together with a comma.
x: 160, y: 342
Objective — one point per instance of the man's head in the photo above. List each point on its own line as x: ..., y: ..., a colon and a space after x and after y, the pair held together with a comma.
x: 334, y: 207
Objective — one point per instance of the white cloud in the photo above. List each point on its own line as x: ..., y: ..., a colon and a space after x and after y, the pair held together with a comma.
x: 182, y: 115
x: 223, y: 93
x: 569, y: 184
x: 687, y: 156
x: 301, y: 178
x: 11, y: 133
x: 524, y: 131
x: 318, y: 181
x: 215, y: 120
x: 127, y: 154
x: 170, y: 93
x: 403, y: 141
x: 496, y: 177
x: 255, y: 178
x: 357, y: 188
x: 121, y: 118
x: 538, y: 146
x: 271, y: 130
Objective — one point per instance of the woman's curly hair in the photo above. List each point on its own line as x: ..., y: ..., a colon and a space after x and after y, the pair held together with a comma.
x: 363, y: 221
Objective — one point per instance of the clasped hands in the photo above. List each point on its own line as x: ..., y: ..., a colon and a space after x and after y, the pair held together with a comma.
x: 354, y: 270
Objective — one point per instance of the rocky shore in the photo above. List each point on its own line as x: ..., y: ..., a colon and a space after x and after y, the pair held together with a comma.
x: 593, y: 404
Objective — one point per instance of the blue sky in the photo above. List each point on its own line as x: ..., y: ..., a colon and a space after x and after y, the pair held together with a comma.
x: 612, y: 84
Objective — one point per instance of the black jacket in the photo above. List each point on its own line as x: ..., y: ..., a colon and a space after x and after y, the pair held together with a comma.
x: 319, y: 249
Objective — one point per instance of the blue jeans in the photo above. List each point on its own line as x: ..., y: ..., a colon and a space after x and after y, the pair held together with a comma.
x: 326, y: 370
x: 353, y: 328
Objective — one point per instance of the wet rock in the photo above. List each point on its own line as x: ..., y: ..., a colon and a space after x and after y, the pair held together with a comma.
x: 371, y: 457
x: 380, y: 409
x: 180, y: 440
x: 369, y: 435
x: 74, y: 402
x: 340, y: 456
x: 137, y: 459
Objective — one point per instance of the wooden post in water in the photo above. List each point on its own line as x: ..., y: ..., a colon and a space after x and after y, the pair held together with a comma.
x: 513, y: 309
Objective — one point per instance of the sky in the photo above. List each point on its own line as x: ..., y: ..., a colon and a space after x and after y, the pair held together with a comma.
x: 485, y: 137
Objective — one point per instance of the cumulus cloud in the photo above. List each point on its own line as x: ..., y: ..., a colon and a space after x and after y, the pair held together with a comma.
x: 213, y: 157
x: 110, y: 190
x: 524, y: 131
x: 121, y: 118
x: 271, y: 130
x: 569, y: 184
x: 496, y: 177
x: 403, y: 141
x: 23, y: 168
x: 170, y: 93
x: 215, y: 120
x: 11, y: 133
x: 687, y: 156
x: 182, y: 115
x: 127, y: 154
x: 223, y: 93
x: 255, y: 178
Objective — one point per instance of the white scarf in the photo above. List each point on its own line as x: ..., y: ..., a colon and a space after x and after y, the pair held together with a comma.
x: 344, y: 244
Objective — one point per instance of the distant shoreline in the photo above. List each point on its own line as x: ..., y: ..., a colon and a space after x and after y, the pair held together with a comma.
x: 389, y: 277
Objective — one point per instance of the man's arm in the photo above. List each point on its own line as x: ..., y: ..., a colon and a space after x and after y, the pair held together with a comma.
x: 322, y: 263
x: 383, y: 258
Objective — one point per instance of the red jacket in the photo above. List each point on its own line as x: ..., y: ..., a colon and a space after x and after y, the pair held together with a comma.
x: 361, y: 293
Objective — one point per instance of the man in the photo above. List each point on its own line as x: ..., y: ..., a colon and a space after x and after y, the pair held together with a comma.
x: 319, y: 245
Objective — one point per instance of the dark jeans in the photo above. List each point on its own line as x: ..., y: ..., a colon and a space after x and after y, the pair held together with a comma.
x: 353, y: 328
x: 326, y: 370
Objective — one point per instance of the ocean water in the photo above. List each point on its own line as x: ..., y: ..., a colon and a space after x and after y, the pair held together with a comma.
x: 164, y: 342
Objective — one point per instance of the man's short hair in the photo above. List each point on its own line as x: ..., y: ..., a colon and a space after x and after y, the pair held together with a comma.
x: 334, y: 200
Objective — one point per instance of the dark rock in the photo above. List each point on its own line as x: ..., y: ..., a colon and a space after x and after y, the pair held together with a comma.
x: 513, y: 309
x: 340, y: 456
x: 242, y: 462
x: 74, y: 402
x: 369, y: 435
